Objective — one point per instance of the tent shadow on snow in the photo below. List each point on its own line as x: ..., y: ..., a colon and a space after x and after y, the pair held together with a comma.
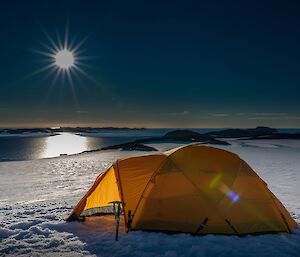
x: 98, y: 235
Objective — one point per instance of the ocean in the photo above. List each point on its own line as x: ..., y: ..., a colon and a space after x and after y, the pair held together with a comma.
x: 28, y: 147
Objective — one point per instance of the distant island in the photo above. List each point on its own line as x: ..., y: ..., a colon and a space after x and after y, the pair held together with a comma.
x: 186, y: 136
x: 255, y: 133
x: 239, y: 133
x: 213, y: 137
x: 217, y: 137
x: 62, y: 129
x: 179, y: 134
x: 131, y: 146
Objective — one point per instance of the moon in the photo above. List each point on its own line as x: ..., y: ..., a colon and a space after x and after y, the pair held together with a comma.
x: 64, y: 59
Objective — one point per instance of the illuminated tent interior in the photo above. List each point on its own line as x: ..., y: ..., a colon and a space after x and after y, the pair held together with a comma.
x: 194, y: 189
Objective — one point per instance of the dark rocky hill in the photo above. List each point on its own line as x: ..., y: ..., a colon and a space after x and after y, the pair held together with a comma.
x: 130, y: 147
x: 184, y: 136
x: 239, y: 133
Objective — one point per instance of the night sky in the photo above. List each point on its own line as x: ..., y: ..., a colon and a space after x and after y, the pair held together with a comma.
x: 153, y: 64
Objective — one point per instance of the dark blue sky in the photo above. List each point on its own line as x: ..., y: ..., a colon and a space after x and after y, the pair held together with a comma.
x: 155, y: 64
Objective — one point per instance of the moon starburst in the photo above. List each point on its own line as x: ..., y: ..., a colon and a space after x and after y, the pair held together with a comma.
x: 62, y: 56
x: 63, y: 60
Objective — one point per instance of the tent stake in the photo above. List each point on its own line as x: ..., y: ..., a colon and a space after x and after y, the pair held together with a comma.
x: 129, y: 221
x: 117, y: 212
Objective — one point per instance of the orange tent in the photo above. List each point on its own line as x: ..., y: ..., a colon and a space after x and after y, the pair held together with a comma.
x: 195, y: 189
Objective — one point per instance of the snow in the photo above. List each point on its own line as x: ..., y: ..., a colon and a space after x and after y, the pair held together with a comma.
x: 37, y: 196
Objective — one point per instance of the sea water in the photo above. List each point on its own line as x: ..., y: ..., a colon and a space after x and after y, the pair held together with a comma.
x: 36, y: 146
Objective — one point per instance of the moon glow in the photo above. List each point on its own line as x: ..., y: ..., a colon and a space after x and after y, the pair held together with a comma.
x: 64, y: 59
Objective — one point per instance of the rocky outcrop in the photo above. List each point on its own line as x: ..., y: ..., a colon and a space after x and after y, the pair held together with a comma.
x: 240, y: 133
x: 277, y: 136
x: 184, y: 136
x: 131, y: 146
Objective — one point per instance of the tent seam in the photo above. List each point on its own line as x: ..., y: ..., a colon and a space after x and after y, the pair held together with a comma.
x: 120, y: 189
x: 146, y: 187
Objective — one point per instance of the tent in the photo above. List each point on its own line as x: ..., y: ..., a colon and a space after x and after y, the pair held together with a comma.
x: 194, y: 189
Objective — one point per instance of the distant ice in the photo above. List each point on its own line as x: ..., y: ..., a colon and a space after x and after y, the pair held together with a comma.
x: 27, y: 134
x: 36, y: 197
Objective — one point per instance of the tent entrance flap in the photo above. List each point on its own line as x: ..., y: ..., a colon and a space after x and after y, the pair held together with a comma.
x: 99, y: 201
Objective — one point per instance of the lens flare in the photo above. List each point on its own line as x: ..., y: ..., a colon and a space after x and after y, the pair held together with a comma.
x: 234, y: 197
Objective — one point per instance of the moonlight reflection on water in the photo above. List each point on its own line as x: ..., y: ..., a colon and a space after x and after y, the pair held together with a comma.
x: 65, y: 143
x: 36, y: 146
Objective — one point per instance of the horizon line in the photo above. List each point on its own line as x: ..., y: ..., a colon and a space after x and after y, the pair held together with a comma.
x: 128, y: 127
